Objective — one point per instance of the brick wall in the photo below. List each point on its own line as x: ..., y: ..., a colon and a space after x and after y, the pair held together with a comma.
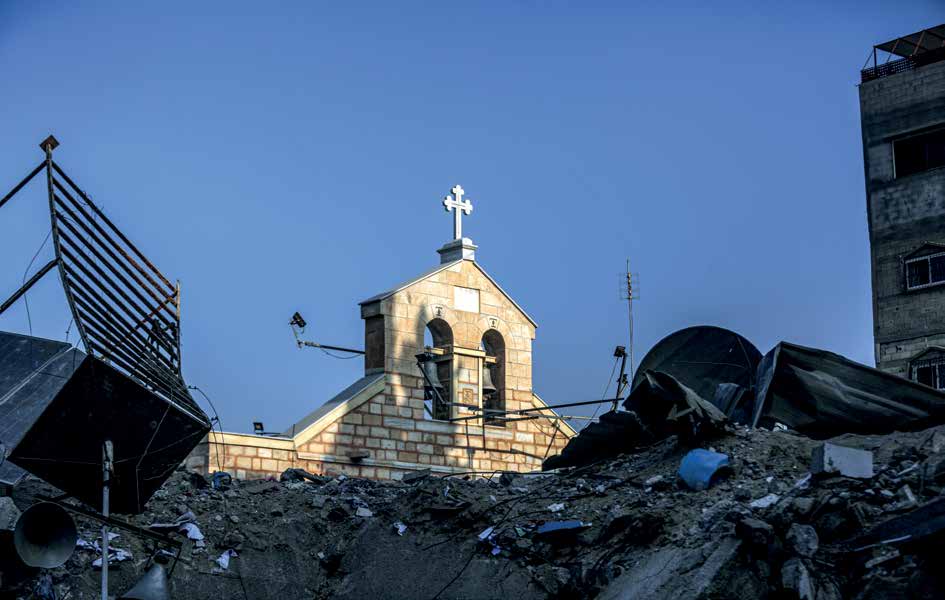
x: 391, y: 426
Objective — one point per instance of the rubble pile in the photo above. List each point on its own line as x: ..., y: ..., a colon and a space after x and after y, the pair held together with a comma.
x: 784, y: 517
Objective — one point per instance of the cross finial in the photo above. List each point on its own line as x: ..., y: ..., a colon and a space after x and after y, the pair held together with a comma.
x: 459, y: 206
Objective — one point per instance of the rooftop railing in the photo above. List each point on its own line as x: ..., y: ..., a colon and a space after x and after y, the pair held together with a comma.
x: 878, y: 71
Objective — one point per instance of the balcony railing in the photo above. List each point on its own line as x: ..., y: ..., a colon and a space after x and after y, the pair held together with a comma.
x: 908, y: 63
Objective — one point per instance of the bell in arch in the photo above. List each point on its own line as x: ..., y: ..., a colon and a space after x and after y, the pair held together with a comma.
x: 488, y: 387
x: 429, y: 368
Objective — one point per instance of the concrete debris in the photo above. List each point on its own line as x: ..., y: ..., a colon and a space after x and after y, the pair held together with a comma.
x: 765, y: 501
x: 224, y: 559
x: 9, y: 514
x: 832, y: 459
x: 627, y: 527
x: 884, y: 557
x: 802, y: 540
x: 115, y: 555
x: 415, y: 476
x: 796, y: 580
x: 652, y: 481
x: 298, y: 475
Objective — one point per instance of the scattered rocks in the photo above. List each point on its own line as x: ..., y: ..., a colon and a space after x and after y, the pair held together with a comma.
x: 802, y: 540
x: 796, y: 580
x: 754, y: 532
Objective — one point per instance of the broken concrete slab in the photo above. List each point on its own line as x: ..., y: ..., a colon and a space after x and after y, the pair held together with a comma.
x: 830, y: 459
x: 673, y: 573
x: 796, y: 580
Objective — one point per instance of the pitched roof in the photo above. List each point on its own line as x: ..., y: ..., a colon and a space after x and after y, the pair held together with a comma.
x: 434, y: 271
x: 343, y: 396
x: 925, y: 246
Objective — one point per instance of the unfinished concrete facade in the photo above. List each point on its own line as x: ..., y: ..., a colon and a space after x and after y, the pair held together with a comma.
x: 390, y: 422
x: 902, y: 106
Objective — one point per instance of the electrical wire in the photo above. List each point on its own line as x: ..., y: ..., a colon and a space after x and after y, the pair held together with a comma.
x: 339, y: 357
x: 604, y: 395
x: 216, y: 417
x: 26, y: 302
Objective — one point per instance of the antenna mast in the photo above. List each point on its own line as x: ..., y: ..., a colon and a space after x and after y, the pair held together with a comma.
x: 629, y: 297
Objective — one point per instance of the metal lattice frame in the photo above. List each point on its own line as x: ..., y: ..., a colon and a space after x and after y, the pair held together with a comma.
x: 126, y: 311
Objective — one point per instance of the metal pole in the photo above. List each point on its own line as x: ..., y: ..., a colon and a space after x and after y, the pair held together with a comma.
x: 537, y: 408
x: 327, y: 347
x: 26, y: 286
x: 630, y: 314
x: 20, y: 185
x: 108, y: 456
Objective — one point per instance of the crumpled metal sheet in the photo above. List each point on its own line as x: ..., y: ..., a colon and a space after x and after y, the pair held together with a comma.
x: 702, y: 358
x: 822, y: 394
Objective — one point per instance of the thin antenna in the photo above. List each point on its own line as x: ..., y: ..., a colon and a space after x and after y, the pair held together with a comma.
x: 630, y: 294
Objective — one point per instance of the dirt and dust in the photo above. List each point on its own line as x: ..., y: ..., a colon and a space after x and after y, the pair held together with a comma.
x: 622, y: 528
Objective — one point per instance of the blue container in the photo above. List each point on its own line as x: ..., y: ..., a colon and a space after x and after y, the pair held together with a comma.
x: 699, y: 467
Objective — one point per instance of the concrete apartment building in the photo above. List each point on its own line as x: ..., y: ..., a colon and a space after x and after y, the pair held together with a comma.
x: 902, y: 109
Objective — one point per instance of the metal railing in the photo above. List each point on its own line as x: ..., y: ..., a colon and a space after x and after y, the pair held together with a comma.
x: 878, y: 71
x: 126, y: 311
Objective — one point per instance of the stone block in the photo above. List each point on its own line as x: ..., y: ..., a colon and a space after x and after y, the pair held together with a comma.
x: 830, y: 458
x: 399, y: 423
x: 802, y: 540
x: 9, y: 514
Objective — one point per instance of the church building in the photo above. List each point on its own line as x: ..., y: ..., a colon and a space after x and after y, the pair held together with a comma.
x: 447, y: 386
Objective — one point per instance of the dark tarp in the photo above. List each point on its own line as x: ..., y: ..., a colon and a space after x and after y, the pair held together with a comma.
x: 702, y: 358
x: 822, y: 394
x: 658, y: 407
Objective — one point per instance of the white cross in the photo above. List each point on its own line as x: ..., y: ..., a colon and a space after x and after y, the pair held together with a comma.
x: 461, y: 206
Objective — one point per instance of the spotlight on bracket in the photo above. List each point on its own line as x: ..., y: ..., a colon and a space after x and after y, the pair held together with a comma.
x: 298, y: 321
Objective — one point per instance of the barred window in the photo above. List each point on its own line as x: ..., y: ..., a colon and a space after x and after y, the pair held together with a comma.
x: 925, y: 271
x: 930, y: 372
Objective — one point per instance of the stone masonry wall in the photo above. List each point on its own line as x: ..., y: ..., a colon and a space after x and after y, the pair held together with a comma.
x: 392, y: 427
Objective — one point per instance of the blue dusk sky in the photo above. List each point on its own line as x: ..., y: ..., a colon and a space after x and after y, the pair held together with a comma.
x: 291, y: 156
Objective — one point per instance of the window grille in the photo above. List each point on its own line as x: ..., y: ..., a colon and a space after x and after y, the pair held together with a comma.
x: 925, y: 271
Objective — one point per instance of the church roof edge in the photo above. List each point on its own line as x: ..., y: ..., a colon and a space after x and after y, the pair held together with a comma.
x: 434, y: 271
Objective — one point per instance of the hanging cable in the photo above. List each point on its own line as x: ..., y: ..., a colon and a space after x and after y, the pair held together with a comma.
x: 339, y: 357
x: 604, y: 395
x: 26, y: 302
x: 216, y: 417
